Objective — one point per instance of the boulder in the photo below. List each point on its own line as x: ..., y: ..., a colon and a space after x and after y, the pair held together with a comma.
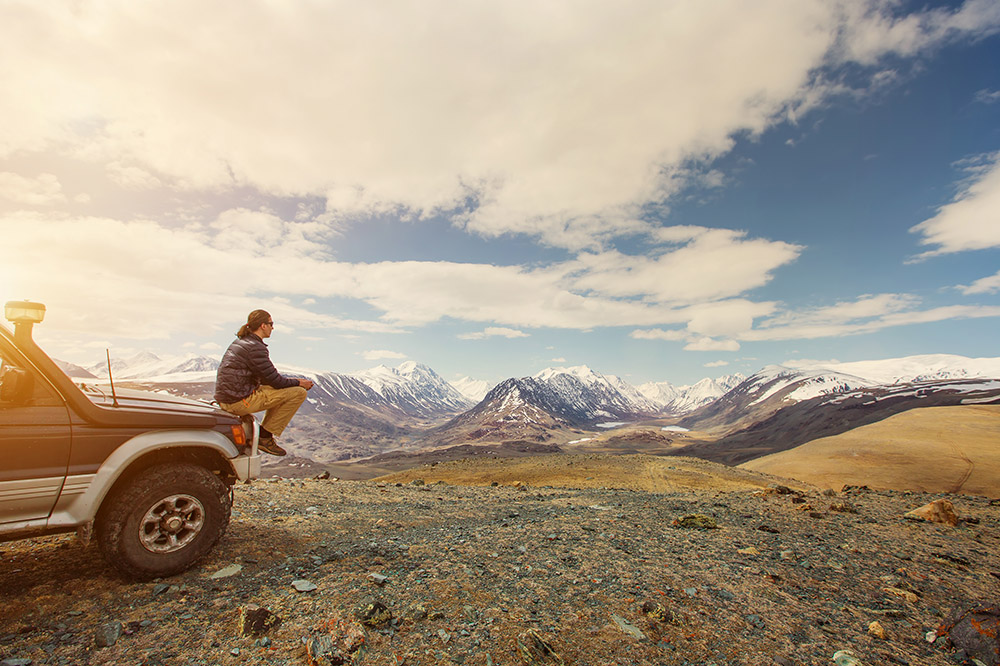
x: 977, y: 632
x: 255, y: 620
x: 938, y: 511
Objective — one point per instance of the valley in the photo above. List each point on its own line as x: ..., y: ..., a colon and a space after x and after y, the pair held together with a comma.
x: 388, y: 420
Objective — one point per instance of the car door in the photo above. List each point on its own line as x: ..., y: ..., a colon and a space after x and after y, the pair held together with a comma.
x: 34, y: 440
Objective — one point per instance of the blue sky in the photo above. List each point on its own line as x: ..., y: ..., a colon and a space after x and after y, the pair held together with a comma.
x: 662, y: 191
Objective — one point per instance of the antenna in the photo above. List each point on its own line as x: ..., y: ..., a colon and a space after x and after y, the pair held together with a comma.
x: 111, y: 379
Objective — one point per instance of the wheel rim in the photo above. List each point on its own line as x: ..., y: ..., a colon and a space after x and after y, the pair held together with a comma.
x: 171, y: 524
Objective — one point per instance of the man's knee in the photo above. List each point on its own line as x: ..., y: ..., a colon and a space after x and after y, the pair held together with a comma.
x: 297, y: 395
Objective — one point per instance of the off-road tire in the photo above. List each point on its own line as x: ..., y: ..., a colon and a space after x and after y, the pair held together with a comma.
x: 199, y: 499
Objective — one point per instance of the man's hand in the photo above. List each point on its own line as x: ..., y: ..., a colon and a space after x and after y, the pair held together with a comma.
x: 306, y: 383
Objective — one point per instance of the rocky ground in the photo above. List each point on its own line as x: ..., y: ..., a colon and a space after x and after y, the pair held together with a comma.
x: 372, y: 572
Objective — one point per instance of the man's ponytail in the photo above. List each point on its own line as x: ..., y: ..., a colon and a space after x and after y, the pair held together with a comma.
x: 255, y: 320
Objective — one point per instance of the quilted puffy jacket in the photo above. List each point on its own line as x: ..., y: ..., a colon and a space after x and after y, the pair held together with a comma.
x: 245, y: 366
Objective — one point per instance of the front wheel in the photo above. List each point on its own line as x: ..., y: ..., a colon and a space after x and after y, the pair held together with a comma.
x: 163, y: 520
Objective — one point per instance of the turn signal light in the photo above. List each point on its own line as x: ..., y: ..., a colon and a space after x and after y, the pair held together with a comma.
x: 239, y: 435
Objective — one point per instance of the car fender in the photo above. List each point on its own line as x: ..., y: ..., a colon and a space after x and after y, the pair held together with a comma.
x: 82, y: 494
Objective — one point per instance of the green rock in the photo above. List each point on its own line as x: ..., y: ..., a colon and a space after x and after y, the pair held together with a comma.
x: 697, y: 521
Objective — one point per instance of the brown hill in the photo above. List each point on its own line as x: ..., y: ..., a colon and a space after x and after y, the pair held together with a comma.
x: 937, y: 449
x: 629, y: 472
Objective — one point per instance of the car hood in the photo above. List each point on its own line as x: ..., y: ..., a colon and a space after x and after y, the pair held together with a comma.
x: 149, y: 401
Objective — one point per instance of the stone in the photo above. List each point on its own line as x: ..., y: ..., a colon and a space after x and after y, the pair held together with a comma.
x: 108, y: 634
x: 656, y: 612
x: 977, y: 632
x: 415, y: 613
x: 349, y: 635
x: 843, y: 507
x: 342, y: 644
x: 846, y: 658
x: 322, y: 652
x: 535, y: 650
x: 696, y: 521
x: 226, y: 572
x: 939, y: 511
x: 876, y: 630
x: 254, y: 620
x: 904, y: 594
x: 378, y: 579
x: 373, y: 613
x: 628, y: 628
x: 304, y: 585
x: 16, y: 661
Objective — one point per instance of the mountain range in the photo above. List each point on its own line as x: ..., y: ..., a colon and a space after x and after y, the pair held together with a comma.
x: 412, y: 408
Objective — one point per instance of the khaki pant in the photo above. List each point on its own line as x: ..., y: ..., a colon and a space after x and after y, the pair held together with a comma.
x: 280, y: 406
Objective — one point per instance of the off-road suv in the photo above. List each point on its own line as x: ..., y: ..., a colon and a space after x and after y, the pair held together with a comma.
x: 150, y: 475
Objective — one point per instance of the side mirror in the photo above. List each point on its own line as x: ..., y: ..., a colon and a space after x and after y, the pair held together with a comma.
x: 16, y: 385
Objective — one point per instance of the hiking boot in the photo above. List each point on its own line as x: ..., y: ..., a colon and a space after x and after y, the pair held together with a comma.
x: 268, y: 445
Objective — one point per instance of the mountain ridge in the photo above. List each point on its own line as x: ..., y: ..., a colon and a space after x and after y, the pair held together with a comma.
x: 350, y: 416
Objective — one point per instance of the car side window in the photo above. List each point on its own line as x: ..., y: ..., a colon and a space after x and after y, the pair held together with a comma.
x: 20, y: 386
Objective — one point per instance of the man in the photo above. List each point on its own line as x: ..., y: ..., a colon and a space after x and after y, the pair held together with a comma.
x: 247, y: 382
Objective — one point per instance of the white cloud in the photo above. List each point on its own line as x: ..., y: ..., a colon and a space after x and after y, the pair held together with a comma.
x: 203, y: 278
x: 985, y: 96
x: 708, y: 344
x: 43, y: 190
x: 704, y: 264
x: 716, y: 364
x: 559, y: 120
x: 866, y: 315
x: 875, y: 29
x: 132, y: 177
x: 145, y: 280
x: 986, y: 285
x: 659, y: 334
x: 492, y: 332
x: 972, y: 220
x: 381, y: 354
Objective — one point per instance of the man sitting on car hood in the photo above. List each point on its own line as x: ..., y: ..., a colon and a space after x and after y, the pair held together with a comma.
x: 247, y: 382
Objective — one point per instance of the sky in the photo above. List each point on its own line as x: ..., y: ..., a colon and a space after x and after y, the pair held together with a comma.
x: 660, y: 190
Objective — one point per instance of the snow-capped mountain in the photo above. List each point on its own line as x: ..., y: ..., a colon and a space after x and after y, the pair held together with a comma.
x: 679, y: 400
x: 592, y: 396
x: 75, y: 371
x: 777, y: 387
x: 416, y: 389
x: 473, y: 389
x: 149, y: 366
x: 805, y: 380
x: 528, y: 407
x: 921, y: 368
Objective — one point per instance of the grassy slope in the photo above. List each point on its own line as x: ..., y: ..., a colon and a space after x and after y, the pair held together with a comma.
x: 937, y: 449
